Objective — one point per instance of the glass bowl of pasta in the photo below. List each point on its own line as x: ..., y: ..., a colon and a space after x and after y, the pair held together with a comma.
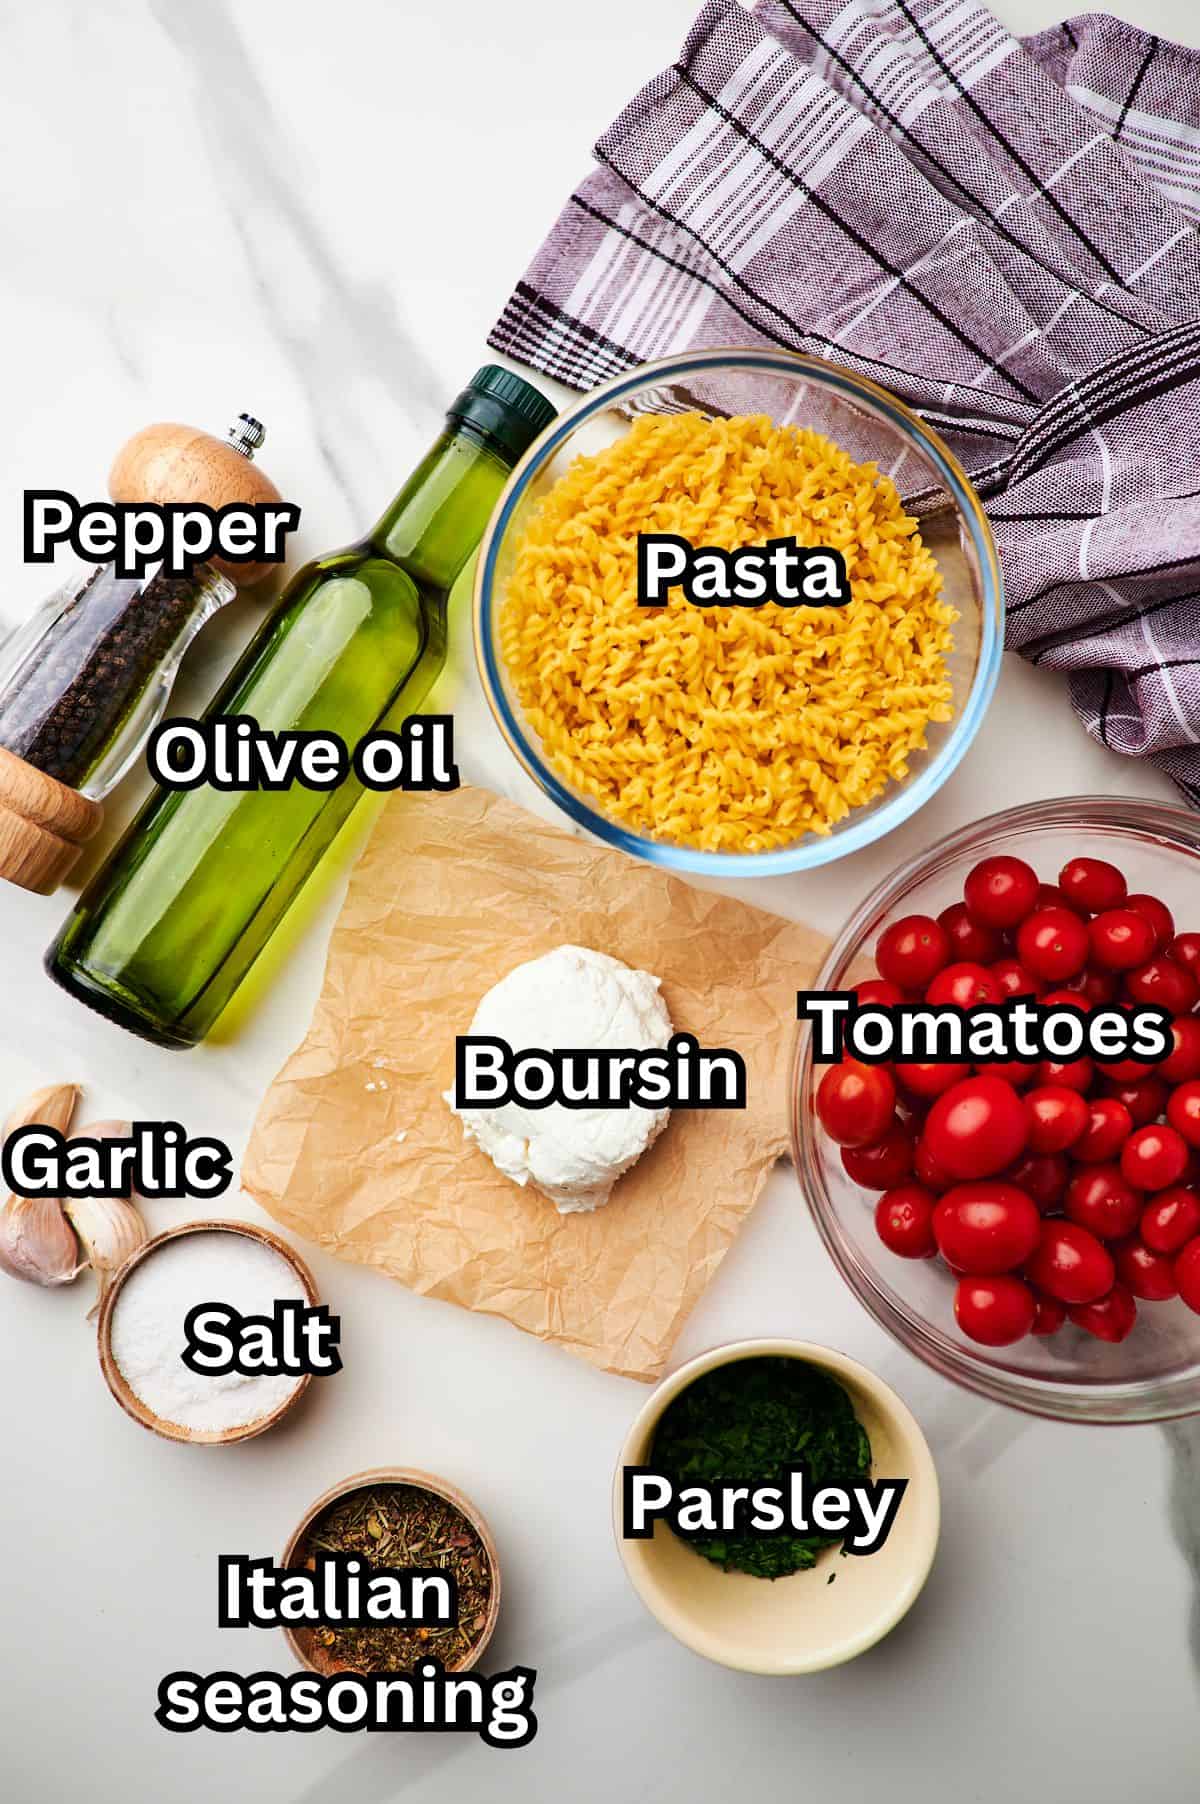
x: 738, y: 612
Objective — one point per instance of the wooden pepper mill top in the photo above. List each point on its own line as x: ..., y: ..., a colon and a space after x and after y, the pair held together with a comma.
x: 62, y: 691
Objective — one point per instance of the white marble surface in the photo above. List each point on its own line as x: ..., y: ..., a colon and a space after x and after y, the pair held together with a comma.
x: 314, y: 213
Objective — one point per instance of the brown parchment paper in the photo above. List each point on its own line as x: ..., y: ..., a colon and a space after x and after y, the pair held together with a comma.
x: 355, y: 1148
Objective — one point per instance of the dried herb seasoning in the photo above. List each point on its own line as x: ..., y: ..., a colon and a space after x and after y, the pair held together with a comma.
x: 398, y: 1526
x: 747, y: 1422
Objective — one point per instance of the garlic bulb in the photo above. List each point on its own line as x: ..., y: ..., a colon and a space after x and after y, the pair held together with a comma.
x: 110, y: 1227
x: 37, y: 1241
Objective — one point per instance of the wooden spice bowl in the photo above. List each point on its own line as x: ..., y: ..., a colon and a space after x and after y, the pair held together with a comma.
x: 301, y: 1644
x: 119, y: 1385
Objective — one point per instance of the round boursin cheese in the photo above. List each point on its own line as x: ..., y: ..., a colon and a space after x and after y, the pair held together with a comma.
x: 573, y: 1156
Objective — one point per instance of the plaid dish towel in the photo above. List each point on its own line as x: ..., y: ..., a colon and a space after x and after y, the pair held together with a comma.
x: 1001, y: 232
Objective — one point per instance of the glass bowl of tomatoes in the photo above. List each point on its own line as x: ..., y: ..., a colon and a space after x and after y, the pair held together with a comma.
x: 1030, y: 1230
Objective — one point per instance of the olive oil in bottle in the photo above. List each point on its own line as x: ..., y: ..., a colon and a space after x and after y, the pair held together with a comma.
x: 172, y: 923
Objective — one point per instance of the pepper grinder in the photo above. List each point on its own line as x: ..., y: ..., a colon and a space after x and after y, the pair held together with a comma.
x: 86, y: 680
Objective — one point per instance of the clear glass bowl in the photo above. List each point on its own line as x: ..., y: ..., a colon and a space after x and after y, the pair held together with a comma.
x: 871, y: 425
x: 1153, y: 1375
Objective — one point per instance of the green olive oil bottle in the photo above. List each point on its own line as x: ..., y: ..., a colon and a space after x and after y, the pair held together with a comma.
x: 176, y: 917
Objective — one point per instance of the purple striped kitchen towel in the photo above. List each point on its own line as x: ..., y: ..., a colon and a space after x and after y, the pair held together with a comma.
x: 1001, y: 232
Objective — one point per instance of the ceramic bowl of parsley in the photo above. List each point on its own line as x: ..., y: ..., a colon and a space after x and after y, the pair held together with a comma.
x: 784, y: 1602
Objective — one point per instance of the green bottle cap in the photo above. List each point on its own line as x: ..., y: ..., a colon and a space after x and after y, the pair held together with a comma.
x: 505, y: 407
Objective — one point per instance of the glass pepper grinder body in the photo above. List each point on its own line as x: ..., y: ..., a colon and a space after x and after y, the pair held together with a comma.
x: 173, y: 923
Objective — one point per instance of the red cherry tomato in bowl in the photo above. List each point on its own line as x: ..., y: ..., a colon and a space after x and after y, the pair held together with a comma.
x: 966, y: 985
x: 970, y: 940
x: 886, y: 1162
x: 1056, y: 1116
x: 1145, y: 1098
x: 1149, y: 1275
x: 986, y: 1227
x: 1091, y: 884
x: 877, y: 993
x: 1111, y: 1317
x: 1109, y: 1125
x: 1049, y: 1316
x: 994, y: 1311
x: 1170, y: 1219
x: 921, y: 1079
x: 1070, y: 1263
x: 1154, y: 1157
x: 1000, y: 891
x: 1053, y: 944
x: 1074, y: 1074
x: 1183, y: 1061
x: 1187, y: 1273
x: 856, y: 1103
x: 1120, y: 940
x: 1185, y: 950
x: 977, y: 1128
x: 904, y: 1221
x: 1161, y: 981
x: 1012, y: 979
x: 1183, y: 1111
x: 1043, y: 1176
x: 912, y: 951
x: 1098, y: 1198
x: 1157, y: 915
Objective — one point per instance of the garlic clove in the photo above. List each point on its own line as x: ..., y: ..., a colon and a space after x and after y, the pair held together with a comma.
x: 110, y: 1229
x: 37, y: 1242
x: 52, y: 1107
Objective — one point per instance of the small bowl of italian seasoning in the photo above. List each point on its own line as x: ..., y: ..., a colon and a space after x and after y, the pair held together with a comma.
x: 407, y: 1570
x: 776, y: 1506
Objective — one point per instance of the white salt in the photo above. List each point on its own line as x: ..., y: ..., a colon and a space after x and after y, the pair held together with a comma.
x: 148, y: 1328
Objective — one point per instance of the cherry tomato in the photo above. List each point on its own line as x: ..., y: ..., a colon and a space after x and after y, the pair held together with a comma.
x: 1185, y: 950
x: 1001, y: 891
x: 965, y: 985
x: 917, y: 1078
x: 1109, y: 1126
x: 856, y: 1102
x: 904, y: 1221
x: 876, y: 993
x: 1070, y: 1263
x: 1146, y: 1098
x: 970, y: 939
x: 1056, y: 1116
x: 1096, y: 987
x: 1050, y: 896
x: 1049, y: 1315
x: 1161, y: 981
x: 1140, y: 1269
x: 1183, y: 1111
x: 1183, y: 1060
x: 1100, y: 1199
x: 1090, y: 885
x: 1017, y: 1072
x: 1120, y: 940
x: 928, y: 1172
x: 1043, y: 1176
x: 1052, y: 943
x: 1158, y: 915
x: 986, y: 1227
x: 1170, y: 1219
x: 1154, y: 1157
x: 1110, y: 1317
x: 911, y: 951
x: 1073, y: 1074
x: 1012, y: 979
x: 994, y: 1311
x: 1187, y: 1274
x: 977, y: 1128
x: 886, y: 1162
